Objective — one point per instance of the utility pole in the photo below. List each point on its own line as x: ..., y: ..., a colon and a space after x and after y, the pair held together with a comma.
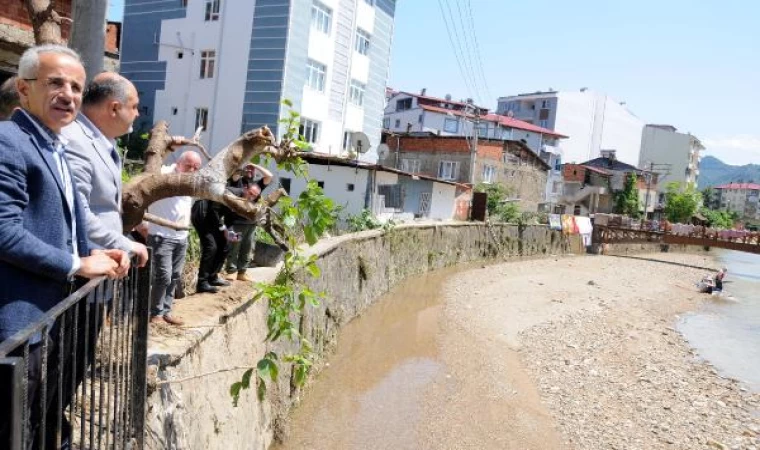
x: 88, y: 34
x: 474, y: 149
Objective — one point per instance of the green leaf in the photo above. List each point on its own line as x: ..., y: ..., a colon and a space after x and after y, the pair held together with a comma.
x: 301, y: 372
x: 287, y: 103
x: 235, y: 392
x: 267, y: 367
x: 246, y: 382
x: 290, y: 221
x: 261, y: 388
x: 313, y: 270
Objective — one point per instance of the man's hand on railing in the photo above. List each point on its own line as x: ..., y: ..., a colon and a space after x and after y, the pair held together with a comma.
x: 110, y: 263
x: 141, y: 252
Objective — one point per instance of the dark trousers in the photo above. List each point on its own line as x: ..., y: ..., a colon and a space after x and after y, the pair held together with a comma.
x: 214, y: 250
x: 62, y: 374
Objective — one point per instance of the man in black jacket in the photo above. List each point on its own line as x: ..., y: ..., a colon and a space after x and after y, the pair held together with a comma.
x: 208, y: 219
x: 240, y: 250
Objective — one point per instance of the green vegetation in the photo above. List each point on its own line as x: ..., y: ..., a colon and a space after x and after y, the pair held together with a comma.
x: 627, y: 200
x: 308, y: 218
x: 499, y: 207
x: 362, y: 221
x: 681, y: 202
x: 719, y: 219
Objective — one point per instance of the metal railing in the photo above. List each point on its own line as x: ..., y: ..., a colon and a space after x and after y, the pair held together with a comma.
x: 76, y: 378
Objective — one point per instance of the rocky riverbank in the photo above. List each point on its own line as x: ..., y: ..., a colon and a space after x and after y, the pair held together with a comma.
x: 619, y: 375
x: 576, y: 353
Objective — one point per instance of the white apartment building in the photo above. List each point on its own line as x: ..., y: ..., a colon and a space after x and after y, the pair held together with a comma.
x: 742, y: 198
x: 227, y: 65
x: 676, y: 155
x: 593, y: 121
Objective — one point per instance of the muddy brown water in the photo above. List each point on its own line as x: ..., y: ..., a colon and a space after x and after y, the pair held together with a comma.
x: 406, y: 376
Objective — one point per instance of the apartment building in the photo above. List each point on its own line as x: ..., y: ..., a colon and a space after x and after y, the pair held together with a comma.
x: 742, y: 198
x: 593, y: 121
x: 676, y: 155
x: 228, y: 65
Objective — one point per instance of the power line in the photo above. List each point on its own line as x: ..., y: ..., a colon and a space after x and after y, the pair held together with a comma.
x: 469, y: 49
x: 477, y: 49
x: 456, y: 49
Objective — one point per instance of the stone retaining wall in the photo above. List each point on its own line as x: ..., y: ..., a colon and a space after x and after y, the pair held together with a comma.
x: 189, y: 405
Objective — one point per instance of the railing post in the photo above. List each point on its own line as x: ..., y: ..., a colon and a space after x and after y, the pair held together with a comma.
x: 140, y: 356
x: 11, y: 390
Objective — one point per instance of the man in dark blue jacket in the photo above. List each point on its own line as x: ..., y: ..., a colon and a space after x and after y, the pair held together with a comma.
x: 43, y: 239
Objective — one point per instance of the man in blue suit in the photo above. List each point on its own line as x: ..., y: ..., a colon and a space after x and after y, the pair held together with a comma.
x: 43, y: 236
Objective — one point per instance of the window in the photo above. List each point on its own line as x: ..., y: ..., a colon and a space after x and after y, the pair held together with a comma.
x: 558, y: 164
x: 398, y: 123
x: 212, y: 10
x: 208, y: 58
x: 387, y: 122
x: 350, y: 187
x: 489, y: 173
x: 556, y: 187
x: 180, y: 54
x: 403, y: 105
x: 285, y: 184
x: 356, y: 95
x: 362, y: 41
x: 448, y: 170
x: 321, y: 17
x: 315, y: 75
x: 483, y: 130
x: 321, y: 184
x: 183, y: 3
x: 543, y: 123
x: 174, y: 113
x: 544, y: 103
x: 309, y: 129
x: 393, y: 194
x: 201, y: 118
x: 411, y: 165
x: 450, y: 125
x: 347, y: 139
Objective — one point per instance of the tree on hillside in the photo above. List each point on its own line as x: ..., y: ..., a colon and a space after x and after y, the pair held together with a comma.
x: 627, y: 201
x: 681, y: 202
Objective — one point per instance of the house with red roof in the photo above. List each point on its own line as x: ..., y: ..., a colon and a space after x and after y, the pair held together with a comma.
x: 409, y: 113
x: 742, y: 198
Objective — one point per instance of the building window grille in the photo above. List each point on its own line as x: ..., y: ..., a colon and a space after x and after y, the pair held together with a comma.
x: 309, y: 129
x: 208, y: 61
x: 212, y: 10
x: 356, y: 94
x: 362, y: 41
x: 448, y: 170
x: 201, y: 118
x: 315, y: 77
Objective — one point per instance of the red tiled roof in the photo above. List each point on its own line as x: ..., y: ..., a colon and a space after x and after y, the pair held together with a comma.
x: 750, y: 186
x: 519, y: 124
x: 502, y: 120
x: 441, y: 100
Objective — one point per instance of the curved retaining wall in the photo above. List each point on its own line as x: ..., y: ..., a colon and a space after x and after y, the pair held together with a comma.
x: 189, y: 406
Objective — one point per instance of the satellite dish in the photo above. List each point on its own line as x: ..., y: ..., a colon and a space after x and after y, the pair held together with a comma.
x: 360, y: 142
x: 383, y: 151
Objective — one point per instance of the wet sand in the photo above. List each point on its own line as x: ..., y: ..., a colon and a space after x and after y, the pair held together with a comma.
x: 540, y: 354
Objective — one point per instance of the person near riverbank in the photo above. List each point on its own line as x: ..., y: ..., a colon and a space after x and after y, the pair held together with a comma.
x: 169, y: 245
x: 718, y: 280
x: 240, y: 250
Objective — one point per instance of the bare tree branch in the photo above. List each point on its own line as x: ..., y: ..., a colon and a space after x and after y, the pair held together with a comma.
x: 45, y: 22
x: 148, y: 217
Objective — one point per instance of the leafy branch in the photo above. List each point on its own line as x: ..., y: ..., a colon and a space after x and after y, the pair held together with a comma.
x: 304, y: 220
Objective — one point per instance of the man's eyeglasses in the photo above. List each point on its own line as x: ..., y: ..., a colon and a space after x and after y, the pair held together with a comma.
x: 58, y: 83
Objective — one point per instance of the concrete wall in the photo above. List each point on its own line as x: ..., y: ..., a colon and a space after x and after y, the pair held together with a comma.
x: 662, y: 146
x: 227, y: 331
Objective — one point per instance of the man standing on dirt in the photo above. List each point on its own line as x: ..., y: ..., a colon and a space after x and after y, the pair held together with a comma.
x: 170, y: 245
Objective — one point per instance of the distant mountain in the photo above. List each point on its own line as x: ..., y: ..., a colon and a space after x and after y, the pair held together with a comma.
x: 714, y: 172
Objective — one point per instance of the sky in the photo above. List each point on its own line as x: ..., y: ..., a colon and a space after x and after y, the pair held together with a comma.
x: 694, y: 64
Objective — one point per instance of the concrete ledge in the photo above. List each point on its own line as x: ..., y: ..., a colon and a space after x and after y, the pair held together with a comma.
x: 191, y: 368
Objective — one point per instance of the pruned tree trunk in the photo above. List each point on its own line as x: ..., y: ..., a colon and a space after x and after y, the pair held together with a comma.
x: 88, y: 33
x: 208, y: 183
x: 45, y: 22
